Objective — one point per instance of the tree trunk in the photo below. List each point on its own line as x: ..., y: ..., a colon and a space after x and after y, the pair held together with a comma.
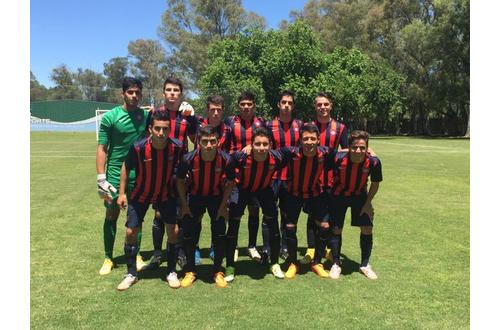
x: 467, y: 133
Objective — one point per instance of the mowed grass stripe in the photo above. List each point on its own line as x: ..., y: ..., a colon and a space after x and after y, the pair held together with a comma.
x: 421, y: 254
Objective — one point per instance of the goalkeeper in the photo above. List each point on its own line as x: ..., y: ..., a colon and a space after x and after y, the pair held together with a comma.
x: 119, y: 129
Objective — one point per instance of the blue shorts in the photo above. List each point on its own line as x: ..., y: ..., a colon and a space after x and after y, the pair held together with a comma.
x: 240, y: 198
x: 198, y: 205
x: 136, y: 212
x: 317, y: 206
x: 338, y: 209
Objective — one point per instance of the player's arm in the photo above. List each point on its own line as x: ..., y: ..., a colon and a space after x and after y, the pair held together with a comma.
x: 224, y: 204
x: 122, y: 196
x: 375, y: 179
x: 180, y: 182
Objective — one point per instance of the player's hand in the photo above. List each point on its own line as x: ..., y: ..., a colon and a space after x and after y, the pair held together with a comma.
x: 247, y: 149
x: 105, y: 189
x: 223, y: 212
x: 368, y: 210
x: 186, y: 109
x: 122, y: 201
x: 185, y: 211
x: 149, y: 108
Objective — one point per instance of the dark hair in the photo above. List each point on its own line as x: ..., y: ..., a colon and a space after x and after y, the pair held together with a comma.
x: 246, y: 95
x: 174, y: 81
x: 358, y: 135
x: 309, y: 127
x: 261, y: 131
x: 208, y: 130
x: 128, y: 82
x: 286, y: 93
x: 159, y: 115
x: 323, y: 94
x: 215, y: 99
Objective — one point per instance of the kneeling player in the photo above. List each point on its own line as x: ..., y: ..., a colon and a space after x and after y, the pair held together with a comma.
x: 351, y: 171
x: 205, y: 167
x: 153, y: 158
x: 255, y: 172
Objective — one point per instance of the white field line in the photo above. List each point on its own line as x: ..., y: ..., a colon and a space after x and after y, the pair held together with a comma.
x: 61, y: 156
x: 414, y: 145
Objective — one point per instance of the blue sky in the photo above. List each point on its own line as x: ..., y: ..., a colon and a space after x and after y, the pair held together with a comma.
x: 86, y: 34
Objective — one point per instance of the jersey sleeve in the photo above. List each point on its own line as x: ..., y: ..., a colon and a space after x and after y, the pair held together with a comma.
x: 105, y: 129
x: 285, y: 154
x: 131, y: 160
x: 183, y: 167
x: 376, y: 170
x: 233, y: 164
x: 193, y: 124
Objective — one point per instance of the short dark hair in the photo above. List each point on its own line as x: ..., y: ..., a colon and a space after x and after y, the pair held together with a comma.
x: 246, y: 95
x: 324, y: 94
x: 159, y: 115
x: 286, y: 93
x: 174, y: 81
x: 358, y: 135
x: 309, y: 127
x: 215, y: 99
x: 208, y: 130
x: 128, y: 82
x: 261, y: 131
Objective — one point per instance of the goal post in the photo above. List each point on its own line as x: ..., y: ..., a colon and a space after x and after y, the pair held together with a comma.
x: 98, y: 116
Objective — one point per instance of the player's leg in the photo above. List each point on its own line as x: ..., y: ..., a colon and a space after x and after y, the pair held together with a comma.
x: 109, y: 236
x: 218, y: 234
x: 253, y: 228
x: 158, y: 231
x: 337, y: 209
x: 293, y: 208
x: 366, y: 235
x: 310, y: 234
x: 238, y: 201
x: 282, y: 193
x: 168, y: 211
x: 270, y: 218
x: 135, y: 216
x: 320, y: 213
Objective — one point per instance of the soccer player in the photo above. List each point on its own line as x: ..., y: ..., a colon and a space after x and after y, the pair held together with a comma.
x: 285, y: 133
x: 255, y: 172
x: 351, y: 171
x: 305, y: 166
x: 153, y: 158
x: 182, y: 126
x: 119, y: 128
x: 332, y: 134
x: 240, y: 135
x: 205, y: 167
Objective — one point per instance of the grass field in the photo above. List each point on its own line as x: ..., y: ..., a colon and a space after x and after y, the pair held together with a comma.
x: 421, y: 254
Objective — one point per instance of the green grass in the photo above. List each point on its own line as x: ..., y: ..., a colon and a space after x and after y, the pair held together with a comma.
x: 421, y: 254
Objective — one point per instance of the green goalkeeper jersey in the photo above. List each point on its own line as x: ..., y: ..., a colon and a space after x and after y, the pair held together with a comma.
x: 119, y: 130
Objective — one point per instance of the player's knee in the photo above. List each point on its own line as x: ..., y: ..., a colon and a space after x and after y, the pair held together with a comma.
x: 337, y: 231
x: 131, y: 235
x: 172, y: 233
x: 253, y: 210
x: 366, y: 230
x: 112, y: 214
x: 323, y: 232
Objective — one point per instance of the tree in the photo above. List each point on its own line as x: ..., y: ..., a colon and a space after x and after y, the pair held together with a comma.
x: 189, y: 27
x: 114, y: 70
x: 91, y: 85
x: 38, y: 92
x: 65, y: 85
x: 148, y: 62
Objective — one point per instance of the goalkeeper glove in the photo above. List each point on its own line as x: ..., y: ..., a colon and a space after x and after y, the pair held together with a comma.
x: 186, y: 109
x: 105, y: 189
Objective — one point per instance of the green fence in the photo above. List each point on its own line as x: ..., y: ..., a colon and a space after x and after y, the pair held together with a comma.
x: 67, y: 111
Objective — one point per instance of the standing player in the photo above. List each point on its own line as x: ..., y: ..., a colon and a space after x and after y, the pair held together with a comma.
x: 331, y: 134
x: 153, y: 158
x: 285, y: 133
x: 182, y: 126
x: 205, y: 167
x: 240, y: 135
x: 351, y: 172
x: 119, y: 128
x: 255, y: 172
x: 305, y: 166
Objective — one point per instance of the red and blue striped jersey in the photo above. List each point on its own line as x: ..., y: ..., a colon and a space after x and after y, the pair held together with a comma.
x: 331, y: 135
x: 223, y: 130
x: 180, y: 126
x: 304, y: 173
x: 250, y: 174
x: 154, y: 170
x: 351, y: 178
x: 240, y: 131
x: 284, y: 135
x: 204, y: 178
